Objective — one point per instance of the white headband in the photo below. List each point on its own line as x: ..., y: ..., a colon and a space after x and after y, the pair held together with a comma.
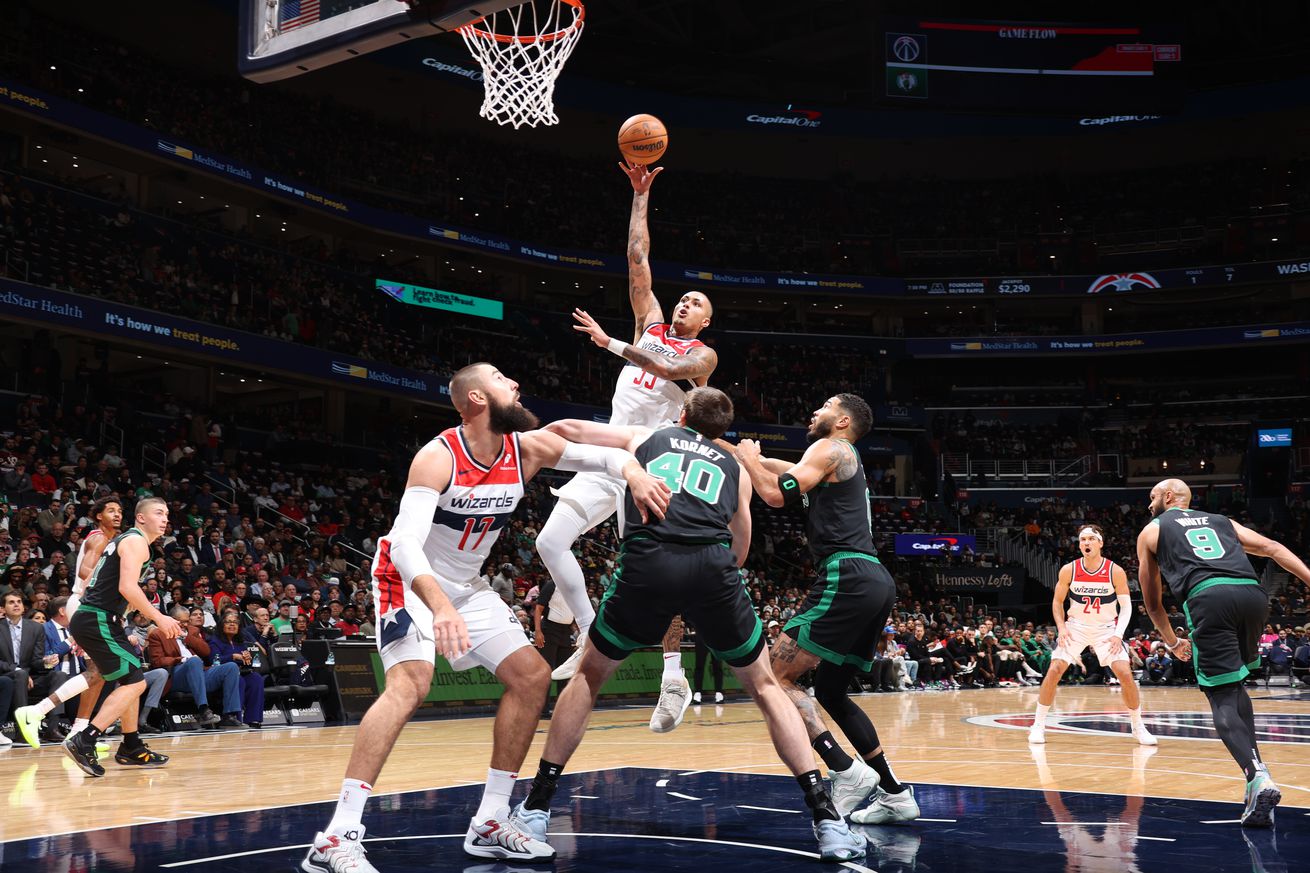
x: 1092, y: 531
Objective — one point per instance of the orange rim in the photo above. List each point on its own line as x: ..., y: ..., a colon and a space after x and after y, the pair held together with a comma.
x: 541, y: 37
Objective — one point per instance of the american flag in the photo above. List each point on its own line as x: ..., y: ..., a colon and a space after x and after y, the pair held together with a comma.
x: 296, y: 13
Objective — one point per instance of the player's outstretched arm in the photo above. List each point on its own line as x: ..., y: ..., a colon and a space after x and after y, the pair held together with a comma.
x: 822, y: 459
x: 1259, y: 544
x: 698, y: 363
x: 429, y: 475
x: 776, y: 466
x: 543, y: 449
x: 614, y: 436
x: 645, y: 308
x: 1148, y: 577
x: 1124, y: 600
x: 741, y: 522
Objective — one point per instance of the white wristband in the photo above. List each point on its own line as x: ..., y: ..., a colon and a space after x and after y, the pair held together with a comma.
x: 617, y: 346
x: 1178, y: 642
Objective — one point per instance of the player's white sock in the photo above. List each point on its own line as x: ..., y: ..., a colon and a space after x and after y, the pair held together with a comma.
x: 350, y: 806
x: 555, y: 546
x: 672, y: 666
x: 67, y: 691
x: 500, y: 785
x: 44, y: 707
x: 1136, y: 716
x: 1039, y: 718
x: 79, y: 724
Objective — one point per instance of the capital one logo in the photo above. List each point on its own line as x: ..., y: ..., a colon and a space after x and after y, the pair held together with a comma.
x: 1123, y: 282
x: 938, y: 544
x: 798, y: 118
x: 906, y: 49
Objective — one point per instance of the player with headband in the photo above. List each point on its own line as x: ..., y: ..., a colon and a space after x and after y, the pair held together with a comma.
x: 1086, y: 595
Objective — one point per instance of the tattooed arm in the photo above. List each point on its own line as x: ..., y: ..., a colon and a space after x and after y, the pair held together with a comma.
x: 824, y: 461
x: 645, y: 308
x: 696, y: 365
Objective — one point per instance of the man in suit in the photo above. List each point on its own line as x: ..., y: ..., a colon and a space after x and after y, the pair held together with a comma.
x: 22, y: 658
x: 211, y: 553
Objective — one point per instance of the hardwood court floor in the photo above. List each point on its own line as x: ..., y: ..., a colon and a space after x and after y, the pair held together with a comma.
x: 927, y: 736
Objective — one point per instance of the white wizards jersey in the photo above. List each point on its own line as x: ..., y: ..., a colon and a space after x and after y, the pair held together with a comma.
x: 470, y: 515
x: 1092, y: 601
x: 643, y: 399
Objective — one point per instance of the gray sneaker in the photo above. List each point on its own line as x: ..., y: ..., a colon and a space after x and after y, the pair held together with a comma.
x: 837, y: 842
x: 852, y: 786
x: 889, y: 808
x: 675, y: 697
x: 533, y: 822
x: 1262, y: 795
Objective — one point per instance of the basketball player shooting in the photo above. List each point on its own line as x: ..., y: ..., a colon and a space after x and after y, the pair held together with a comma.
x: 1085, y: 594
x: 664, y: 362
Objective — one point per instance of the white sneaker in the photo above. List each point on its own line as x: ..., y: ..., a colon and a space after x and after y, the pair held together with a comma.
x: 1143, y: 736
x: 500, y: 838
x: 889, y: 808
x: 1037, y: 733
x: 338, y: 853
x: 695, y: 698
x: 850, y: 787
x: 5, y: 742
x: 675, y: 697
x: 718, y: 697
x: 570, y: 665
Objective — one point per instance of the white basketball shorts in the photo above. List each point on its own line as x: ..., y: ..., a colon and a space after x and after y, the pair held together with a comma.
x: 595, y: 496
x: 405, y: 633
x: 1077, y: 637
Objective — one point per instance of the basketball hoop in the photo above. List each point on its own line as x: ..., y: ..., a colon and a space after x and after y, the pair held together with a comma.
x: 521, y: 53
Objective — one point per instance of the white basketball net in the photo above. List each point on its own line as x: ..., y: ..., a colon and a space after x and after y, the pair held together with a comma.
x: 521, y: 53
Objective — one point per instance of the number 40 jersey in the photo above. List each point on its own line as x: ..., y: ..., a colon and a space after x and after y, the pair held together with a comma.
x: 704, y: 481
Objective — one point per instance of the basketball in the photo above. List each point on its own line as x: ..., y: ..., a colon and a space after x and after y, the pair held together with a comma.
x: 643, y: 139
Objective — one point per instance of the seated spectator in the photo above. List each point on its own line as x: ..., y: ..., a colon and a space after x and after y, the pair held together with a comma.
x: 187, y: 659
x: 231, y: 646
x: 1159, y: 667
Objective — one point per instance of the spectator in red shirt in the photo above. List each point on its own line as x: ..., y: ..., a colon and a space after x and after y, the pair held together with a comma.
x: 349, y: 621
x: 42, y: 481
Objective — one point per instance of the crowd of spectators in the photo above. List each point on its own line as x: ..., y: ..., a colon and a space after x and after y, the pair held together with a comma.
x: 842, y: 224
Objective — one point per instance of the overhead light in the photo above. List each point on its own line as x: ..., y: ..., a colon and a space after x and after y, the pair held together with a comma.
x: 52, y: 66
x: 1273, y: 239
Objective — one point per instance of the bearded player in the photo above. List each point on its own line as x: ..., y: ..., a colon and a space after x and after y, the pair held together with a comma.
x: 432, y: 599
x: 665, y: 361
x: 107, y: 515
x: 1086, y: 595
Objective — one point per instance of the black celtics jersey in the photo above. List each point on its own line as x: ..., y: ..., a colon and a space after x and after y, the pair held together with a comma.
x: 704, y: 481
x: 840, y: 519
x: 1195, y: 546
x: 102, y: 588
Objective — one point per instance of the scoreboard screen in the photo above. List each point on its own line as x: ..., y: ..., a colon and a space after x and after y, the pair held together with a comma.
x: 1046, y: 67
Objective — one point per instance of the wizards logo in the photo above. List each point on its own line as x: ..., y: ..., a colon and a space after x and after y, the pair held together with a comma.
x: 1123, y: 282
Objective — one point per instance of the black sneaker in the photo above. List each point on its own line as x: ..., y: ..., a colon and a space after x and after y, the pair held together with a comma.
x: 146, y: 728
x: 230, y: 721
x: 84, y: 756
x: 139, y: 757
x: 206, y: 717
